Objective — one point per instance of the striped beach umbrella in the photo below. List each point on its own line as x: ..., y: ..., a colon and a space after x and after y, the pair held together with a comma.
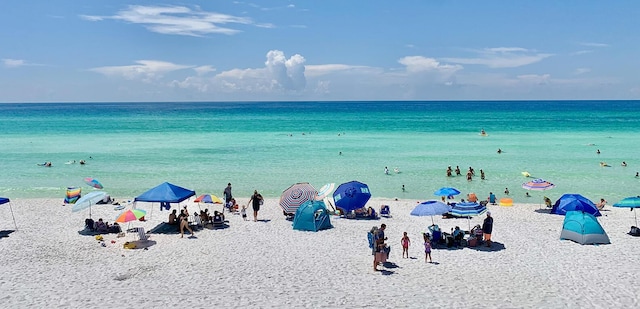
x: 296, y: 195
x: 538, y: 185
x: 93, y: 183
x: 467, y: 210
x: 325, y: 191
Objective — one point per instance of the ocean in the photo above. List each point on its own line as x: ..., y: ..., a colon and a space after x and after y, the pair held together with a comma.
x: 268, y: 146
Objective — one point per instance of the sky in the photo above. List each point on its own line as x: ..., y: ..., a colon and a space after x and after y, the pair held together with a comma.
x: 329, y: 50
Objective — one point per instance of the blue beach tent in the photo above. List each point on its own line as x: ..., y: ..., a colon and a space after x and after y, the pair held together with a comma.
x: 312, y: 216
x: 568, y: 202
x: 165, y: 193
x: 4, y: 200
x: 583, y: 228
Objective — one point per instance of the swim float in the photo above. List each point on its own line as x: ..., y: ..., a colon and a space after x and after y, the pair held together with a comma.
x: 505, y: 201
x: 526, y: 174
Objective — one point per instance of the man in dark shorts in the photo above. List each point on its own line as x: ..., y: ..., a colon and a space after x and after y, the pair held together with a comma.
x: 227, y: 194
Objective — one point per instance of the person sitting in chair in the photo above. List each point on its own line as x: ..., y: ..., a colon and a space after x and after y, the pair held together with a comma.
x: 547, y: 201
x: 601, y: 204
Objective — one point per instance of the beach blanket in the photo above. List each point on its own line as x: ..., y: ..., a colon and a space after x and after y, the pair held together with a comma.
x: 165, y: 228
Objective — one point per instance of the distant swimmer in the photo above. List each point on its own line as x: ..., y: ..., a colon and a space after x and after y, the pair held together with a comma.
x: 506, y: 191
x: 82, y: 162
x: 483, y: 132
x: 604, y: 164
x: 624, y: 163
x: 598, y: 151
x: 637, y: 175
x: 499, y: 150
x: 396, y: 170
x: 527, y: 194
x: 386, y: 170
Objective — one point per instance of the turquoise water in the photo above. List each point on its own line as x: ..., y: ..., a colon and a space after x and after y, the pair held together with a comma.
x: 131, y: 147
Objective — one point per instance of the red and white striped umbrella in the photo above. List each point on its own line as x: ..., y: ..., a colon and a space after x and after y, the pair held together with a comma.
x: 296, y: 195
x: 538, y: 185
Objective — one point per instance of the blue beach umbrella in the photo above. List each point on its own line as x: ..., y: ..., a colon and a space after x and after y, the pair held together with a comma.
x: 631, y: 202
x: 446, y: 191
x: 467, y: 210
x: 87, y: 200
x: 351, y: 195
x: 430, y: 208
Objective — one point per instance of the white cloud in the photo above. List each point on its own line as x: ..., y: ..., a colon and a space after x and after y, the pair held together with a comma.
x: 204, y: 69
x: 13, y: 63
x: 145, y: 70
x: 278, y: 75
x: 178, y: 20
x: 502, y: 57
x: 581, y: 52
x: 326, y: 69
x: 415, y: 64
x: 592, y: 44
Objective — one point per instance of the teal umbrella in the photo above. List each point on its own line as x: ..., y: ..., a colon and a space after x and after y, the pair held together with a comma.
x: 632, y: 202
x: 87, y: 200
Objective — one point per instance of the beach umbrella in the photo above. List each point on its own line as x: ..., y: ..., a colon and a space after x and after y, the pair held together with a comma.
x: 325, y: 191
x: 93, y: 182
x: 351, y: 195
x: 207, y: 199
x: 538, y: 184
x: 430, y: 208
x: 632, y: 202
x: 87, y: 200
x: 446, y: 191
x: 296, y: 195
x: 130, y: 215
x: 4, y: 200
x: 467, y: 210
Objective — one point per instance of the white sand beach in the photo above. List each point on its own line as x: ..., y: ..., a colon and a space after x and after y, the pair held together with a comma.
x: 267, y: 264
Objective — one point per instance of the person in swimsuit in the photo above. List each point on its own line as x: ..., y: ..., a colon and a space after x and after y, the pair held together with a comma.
x: 255, y: 200
x: 405, y: 242
x: 427, y: 248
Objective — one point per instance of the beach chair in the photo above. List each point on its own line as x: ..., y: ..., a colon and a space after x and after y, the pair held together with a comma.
x: 218, y: 222
x: 142, y: 236
x: 385, y: 211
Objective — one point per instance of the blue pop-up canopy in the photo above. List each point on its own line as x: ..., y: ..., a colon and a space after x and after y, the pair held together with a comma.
x: 166, y: 192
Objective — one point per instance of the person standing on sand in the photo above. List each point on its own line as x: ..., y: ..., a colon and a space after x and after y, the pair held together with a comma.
x: 255, y: 201
x: 227, y: 194
x: 405, y: 242
x: 487, y: 228
x: 427, y: 248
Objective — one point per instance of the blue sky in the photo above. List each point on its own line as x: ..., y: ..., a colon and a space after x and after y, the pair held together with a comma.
x: 79, y: 51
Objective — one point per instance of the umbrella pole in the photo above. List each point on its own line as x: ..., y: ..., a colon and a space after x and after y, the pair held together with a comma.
x: 14, y: 217
x: 432, y: 223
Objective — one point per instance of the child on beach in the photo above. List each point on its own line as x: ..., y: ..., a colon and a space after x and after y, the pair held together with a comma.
x: 427, y: 248
x: 405, y: 241
x: 243, y: 212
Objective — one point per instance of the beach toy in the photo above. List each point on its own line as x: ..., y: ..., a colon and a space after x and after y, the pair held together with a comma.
x: 505, y: 201
x: 526, y: 174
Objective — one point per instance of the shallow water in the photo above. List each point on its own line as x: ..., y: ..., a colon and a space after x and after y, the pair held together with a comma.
x: 131, y: 147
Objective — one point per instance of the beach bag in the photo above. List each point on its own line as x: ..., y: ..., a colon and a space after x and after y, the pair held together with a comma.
x: 129, y: 245
x: 99, y: 237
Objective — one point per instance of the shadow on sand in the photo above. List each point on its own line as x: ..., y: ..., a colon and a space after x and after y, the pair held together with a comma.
x: 5, y: 233
x: 495, y: 246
